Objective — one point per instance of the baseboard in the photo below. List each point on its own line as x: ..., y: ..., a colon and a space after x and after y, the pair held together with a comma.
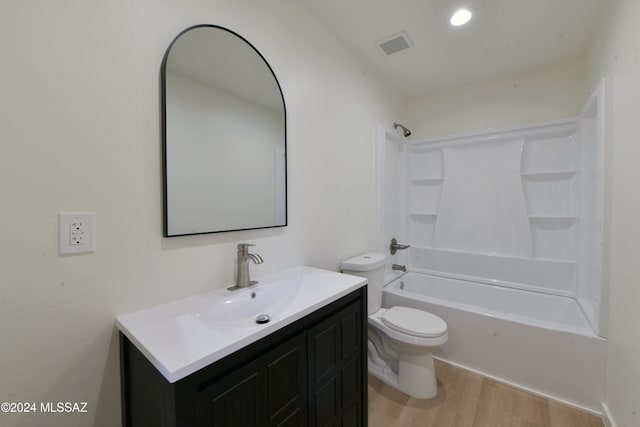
x: 526, y: 389
x: 607, y: 418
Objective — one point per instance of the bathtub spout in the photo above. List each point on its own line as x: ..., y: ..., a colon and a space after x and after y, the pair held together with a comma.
x: 397, y: 267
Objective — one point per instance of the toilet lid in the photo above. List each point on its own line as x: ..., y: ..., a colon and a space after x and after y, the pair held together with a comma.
x: 414, y: 322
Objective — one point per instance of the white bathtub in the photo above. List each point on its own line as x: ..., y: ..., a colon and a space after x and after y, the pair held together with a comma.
x: 534, y: 341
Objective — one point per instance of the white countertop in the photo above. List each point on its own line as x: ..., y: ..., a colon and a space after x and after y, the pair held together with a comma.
x: 183, y: 336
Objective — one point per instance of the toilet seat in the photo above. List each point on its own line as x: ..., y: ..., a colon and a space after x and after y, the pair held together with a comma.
x: 414, y: 322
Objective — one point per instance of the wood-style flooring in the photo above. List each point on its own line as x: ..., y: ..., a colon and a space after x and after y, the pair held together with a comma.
x: 466, y: 399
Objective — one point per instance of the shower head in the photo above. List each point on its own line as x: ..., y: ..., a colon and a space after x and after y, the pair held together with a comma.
x: 405, y: 132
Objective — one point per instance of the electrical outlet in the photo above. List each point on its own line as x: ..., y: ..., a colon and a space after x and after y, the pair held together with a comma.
x: 76, y: 232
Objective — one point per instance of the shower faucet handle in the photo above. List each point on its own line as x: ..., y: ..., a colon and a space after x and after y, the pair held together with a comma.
x: 395, y: 246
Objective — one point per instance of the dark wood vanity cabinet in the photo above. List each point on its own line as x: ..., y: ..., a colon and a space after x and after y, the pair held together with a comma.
x: 268, y: 391
x: 309, y: 373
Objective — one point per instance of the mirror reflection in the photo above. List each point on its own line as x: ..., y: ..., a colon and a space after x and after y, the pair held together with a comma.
x: 224, y: 133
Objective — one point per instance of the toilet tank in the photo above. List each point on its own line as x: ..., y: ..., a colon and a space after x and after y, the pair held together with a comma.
x: 371, y: 267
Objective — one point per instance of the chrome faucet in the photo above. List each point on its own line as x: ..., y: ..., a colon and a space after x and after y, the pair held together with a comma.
x: 398, y: 267
x: 242, y: 271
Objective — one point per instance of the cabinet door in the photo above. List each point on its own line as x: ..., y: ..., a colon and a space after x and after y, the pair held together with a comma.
x: 269, y: 391
x: 234, y: 400
x: 335, y: 370
x: 286, y: 378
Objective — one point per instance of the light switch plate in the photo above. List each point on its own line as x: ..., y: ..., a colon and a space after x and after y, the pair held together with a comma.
x: 77, y: 232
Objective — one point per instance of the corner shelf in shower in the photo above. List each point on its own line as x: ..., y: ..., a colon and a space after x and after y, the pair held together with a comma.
x: 552, y: 219
x: 550, y: 175
x: 425, y: 180
x: 424, y: 214
x: 556, y: 261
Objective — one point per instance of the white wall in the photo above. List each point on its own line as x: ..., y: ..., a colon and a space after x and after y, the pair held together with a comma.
x: 550, y: 93
x: 80, y: 130
x: 616, y: 52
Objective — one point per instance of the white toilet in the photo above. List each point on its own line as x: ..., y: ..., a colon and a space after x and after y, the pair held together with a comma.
x: 401, y: 339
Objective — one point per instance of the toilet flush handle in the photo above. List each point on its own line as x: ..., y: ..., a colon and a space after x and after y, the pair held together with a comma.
x: 395, y: 246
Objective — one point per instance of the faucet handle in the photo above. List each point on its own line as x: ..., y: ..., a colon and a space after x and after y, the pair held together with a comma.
x: 394, y: 246
x: 243, y: 248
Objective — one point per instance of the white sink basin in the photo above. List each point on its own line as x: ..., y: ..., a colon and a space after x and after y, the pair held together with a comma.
x: 239, y: 308
x: 184, y: 336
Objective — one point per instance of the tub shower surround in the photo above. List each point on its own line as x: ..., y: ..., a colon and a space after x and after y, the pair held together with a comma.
x: 510, y: 208
x: 513, y: 218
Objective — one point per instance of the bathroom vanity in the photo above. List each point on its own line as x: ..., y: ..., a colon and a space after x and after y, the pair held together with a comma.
x: 184, y: 365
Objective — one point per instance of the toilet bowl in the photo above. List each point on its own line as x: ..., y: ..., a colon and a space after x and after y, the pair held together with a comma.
x: 401, y: 339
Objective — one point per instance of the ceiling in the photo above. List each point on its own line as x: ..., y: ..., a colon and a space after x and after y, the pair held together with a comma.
x: 505, y: 37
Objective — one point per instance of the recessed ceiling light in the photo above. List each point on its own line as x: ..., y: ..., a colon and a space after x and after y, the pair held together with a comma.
x: 461, y: 16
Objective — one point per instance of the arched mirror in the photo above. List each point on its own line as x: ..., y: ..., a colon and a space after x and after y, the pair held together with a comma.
x: 224, y: 135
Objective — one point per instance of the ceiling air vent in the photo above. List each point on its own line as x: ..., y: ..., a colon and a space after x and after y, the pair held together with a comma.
x: 395, y: 43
